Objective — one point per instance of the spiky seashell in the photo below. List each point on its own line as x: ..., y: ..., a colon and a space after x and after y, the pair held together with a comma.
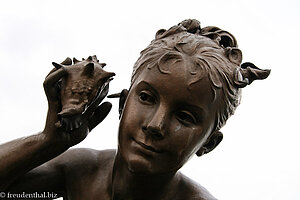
x: 80, y: 88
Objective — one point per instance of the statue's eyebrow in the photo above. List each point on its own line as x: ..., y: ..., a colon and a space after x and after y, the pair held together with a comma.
x: 152, y: 89
x: 148, y: 85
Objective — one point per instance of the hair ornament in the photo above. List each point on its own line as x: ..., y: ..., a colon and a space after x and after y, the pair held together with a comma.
x: 248, y: 73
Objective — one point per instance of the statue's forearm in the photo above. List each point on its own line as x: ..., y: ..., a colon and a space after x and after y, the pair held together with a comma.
x: 19, y: 156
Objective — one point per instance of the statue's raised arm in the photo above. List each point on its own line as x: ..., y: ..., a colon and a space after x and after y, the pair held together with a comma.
x: 74, y: 92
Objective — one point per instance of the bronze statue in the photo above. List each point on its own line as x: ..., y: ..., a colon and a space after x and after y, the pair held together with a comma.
x: 184, y: 87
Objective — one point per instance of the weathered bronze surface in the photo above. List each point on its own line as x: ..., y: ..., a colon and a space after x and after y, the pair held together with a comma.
x: 184, y: 87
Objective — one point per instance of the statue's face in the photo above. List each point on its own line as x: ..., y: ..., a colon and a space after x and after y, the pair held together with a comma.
x: 165, y: 121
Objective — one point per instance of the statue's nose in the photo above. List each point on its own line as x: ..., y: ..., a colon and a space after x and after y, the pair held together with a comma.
x: 156, y: 125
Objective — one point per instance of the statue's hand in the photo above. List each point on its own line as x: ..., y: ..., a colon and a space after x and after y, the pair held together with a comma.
x: 90, y: 119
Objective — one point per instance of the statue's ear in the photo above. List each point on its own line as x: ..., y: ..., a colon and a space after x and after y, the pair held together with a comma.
x: 212, y: 142
x: 123, y: 96
x: 122, y: 100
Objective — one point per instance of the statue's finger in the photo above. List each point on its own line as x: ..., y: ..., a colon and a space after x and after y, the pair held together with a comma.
x: 99, y: 115
x: 53, y: 78
x: 50, y: 83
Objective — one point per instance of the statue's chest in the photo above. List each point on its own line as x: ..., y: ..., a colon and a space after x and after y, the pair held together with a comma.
x: 89, y: 191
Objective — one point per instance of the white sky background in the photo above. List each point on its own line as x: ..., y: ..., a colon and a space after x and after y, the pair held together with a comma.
x: 259, y: 156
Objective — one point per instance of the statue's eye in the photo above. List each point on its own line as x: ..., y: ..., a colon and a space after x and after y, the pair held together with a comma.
x: 146, y: 97
x: 186, y: 117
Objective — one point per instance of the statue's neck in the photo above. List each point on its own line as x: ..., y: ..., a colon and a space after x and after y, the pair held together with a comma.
x: 129, y: 185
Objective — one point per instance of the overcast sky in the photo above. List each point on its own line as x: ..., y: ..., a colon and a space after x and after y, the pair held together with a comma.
x: 259, y: 156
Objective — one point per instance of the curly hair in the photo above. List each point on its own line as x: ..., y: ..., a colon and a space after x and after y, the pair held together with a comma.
x: 211, y: 52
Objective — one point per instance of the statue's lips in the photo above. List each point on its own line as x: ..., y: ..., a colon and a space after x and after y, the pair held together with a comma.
x: 147, y: 147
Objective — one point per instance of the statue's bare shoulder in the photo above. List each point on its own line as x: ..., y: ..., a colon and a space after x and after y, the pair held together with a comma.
x: 87, y: 172
x: 78, y: 160
x: 193, y: 190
